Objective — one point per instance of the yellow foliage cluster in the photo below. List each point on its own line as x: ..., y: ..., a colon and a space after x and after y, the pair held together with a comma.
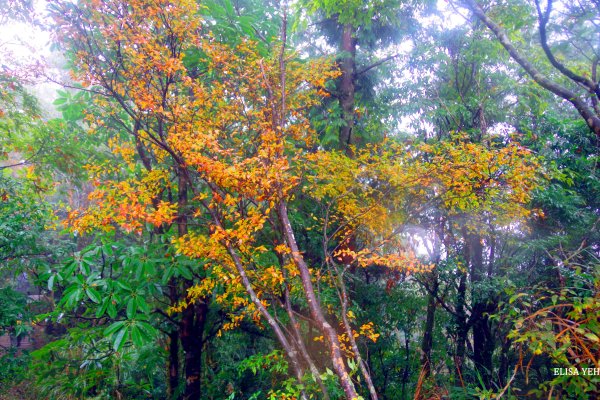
x: 128, y: 204
x: 366, y: 330
x: 494, y: 180
x: 405, y: 261
x: 385, y: 186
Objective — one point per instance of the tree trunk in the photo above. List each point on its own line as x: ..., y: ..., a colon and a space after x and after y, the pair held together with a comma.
x: 483, y: 340
x: 427, y: 343
x: 461, y: 325
x: 316, y: 312
x: 406, y: 369
x: 299, y: 343
x: 483, y: 343
x: 173, y: 365
x: 347, y: 87
x: 192, y: 328
x: 504, y: 362
x: 194, y: 316
x: 348, y: 328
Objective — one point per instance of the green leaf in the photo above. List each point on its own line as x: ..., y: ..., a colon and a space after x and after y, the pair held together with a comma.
x: 74, y: 296
x: 112, y: 328
x: 515, y: 297
x: 131, y: 308
x: 102, y: 309
x: 69, y: 268
x: 51, y: 282
x: 148, y: 329
x: 185, y: 272
x: 169, y: 271
x: 80, y: 280
x: 592, y: 337
x: 136, y: 336
x: 124, y: 286
x: 142, y: 305
x: 93, y: 294
x: 111, y: 310
x: 119, y: 339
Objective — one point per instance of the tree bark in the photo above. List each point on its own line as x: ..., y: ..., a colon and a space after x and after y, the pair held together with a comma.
x: 462, y: 329
x: 295, y: 327
x: 194, y: 316
x: 173, y: 364
x: 483, y: 339
x: 483, y: 343
x: 348, y: 328
x: 192, y: 329
x: 289, y: 349
x: 461, y: 324
x: 347, y: 87
x: 314, y: 306
x: 427, y: 343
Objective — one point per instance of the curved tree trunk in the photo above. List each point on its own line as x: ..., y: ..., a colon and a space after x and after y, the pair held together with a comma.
x: 578, y: 101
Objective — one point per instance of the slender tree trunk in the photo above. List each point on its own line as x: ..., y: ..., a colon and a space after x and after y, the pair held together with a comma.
x: 483, y: 340
x: 427, y: 343
x: 314, y: 305
x: 406, y: 369
x: 346, y: 87
x: 475, y: 257
x: 288, y: 348
x: 504, y: 362
x: 461, y: 324
x: 483, y: 344
x: 173, y: 365
x: 461, y: 307
x: 295, y: 327
x: 194, y: 316
x: 361, y: 364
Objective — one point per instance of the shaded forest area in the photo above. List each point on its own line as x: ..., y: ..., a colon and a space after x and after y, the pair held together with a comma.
x: 313, y: 199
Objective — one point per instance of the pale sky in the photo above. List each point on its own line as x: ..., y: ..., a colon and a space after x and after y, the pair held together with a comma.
x: 22, y: 47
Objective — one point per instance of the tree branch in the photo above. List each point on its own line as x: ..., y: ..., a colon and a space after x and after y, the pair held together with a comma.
x: 582, y: 108
x: 376, y: 64
x: 543, y: 18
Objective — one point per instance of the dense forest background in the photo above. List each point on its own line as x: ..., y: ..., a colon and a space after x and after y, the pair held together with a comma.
x: 312, y: 199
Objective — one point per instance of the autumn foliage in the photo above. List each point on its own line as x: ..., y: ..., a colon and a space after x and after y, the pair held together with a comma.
x: 212, y: 153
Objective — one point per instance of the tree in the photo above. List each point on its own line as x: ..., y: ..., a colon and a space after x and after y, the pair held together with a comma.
x: 134, y: 56
x: 365, y: 35
x: 193, y: 125
x: 569, y: 69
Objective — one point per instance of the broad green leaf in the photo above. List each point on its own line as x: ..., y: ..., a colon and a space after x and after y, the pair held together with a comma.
x: 112, y: 328
x: 131, y: 308
x: 119, y: 339
x: 93, y: 294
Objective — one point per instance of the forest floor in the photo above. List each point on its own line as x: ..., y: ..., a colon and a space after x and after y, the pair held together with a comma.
x: 19, y: 391
x: 22, y: 390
